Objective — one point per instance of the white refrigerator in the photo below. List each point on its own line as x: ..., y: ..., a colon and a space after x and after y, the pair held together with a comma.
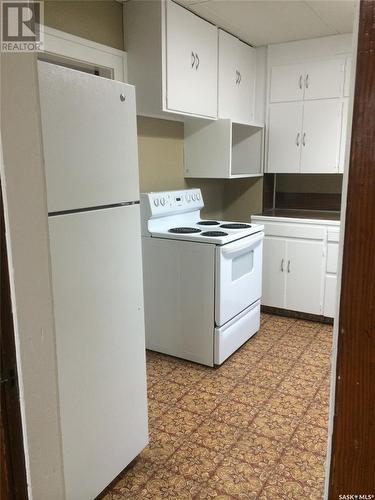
x: 91, y: 167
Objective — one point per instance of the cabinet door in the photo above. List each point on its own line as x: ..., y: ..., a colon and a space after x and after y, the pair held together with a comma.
x: 324, y: 79
x: 321, y: 136
x: 287, y: 83
x: 284, y: 137
x: 246, y: 82
x: 191, y: 63
x: 304, y: 274
x: 228, y: 76
x: 274, y: 267
x: 237, y: 68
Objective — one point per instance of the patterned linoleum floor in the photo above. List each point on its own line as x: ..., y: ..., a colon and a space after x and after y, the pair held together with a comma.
x: 255, y: 427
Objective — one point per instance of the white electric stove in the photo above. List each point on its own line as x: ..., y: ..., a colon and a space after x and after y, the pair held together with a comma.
x: 202, y: 278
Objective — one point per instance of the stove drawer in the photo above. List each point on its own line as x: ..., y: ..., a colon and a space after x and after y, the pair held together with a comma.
x: 231, y: 336
x: 238, y: 277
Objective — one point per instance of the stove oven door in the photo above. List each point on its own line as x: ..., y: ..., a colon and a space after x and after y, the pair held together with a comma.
x: 238, y: 276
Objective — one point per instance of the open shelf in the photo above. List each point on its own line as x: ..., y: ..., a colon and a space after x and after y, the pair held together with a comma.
x: 223, y: 149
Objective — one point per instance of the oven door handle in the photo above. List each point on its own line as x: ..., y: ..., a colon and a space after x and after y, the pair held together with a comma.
x: 239, y: 247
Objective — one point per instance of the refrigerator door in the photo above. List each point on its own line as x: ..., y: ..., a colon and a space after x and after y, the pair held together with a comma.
x: 98, y: 300
x: 89, y: 137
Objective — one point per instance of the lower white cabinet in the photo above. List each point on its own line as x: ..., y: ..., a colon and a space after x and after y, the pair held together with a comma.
x: 293, y: 274
x: 330, y: 281
x: 300, y: 264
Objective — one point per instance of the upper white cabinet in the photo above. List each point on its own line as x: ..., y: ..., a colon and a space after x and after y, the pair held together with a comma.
x: 237, y: 78
x: 308, y: 85
x: 305, y: 137
x: 314, y: 80
x: 172, y: 60
x: 191, y: 63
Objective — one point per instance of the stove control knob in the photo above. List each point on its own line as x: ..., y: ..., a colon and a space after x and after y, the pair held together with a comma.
x: 193, y: 197
x: 162, y: 201
x: 198, y: 196
x: 187, y: 198
x: 156, y: 202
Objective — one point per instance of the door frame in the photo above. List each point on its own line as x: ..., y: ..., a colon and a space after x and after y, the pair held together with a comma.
x: 350, y: 459
x: 13, y: 467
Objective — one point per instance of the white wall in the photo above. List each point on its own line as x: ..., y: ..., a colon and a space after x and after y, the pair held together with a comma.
x: 23, y: 184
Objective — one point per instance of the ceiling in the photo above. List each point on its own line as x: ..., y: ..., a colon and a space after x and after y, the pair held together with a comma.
x: 261, y: 22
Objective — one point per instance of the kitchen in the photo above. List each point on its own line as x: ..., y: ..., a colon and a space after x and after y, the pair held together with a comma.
x: 162, y: 146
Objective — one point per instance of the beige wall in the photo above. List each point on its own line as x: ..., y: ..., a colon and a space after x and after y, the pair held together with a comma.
x: 243, y: 198
x: 161, y: 162
x: 160, y: 141
x: 100, y: 21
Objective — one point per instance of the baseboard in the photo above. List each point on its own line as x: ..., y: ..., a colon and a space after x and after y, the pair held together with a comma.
x: 296, y: 314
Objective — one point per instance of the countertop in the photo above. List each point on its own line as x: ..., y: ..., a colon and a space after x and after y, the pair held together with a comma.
x: 310, y: 215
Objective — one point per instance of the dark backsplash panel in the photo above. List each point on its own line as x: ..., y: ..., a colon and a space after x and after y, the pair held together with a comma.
x: 268, y: 181
x: 308, y: 201
x: 290, y: 192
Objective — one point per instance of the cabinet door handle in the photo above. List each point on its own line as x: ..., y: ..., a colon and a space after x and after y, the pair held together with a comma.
x: 307, y: 81
x: 304, y: 139
x: 288, y: 266
x: 237, y: 76
x: 192, y: 60
x: 282, y: 265
x: 297, y: 139
x: 239, y: 81
x: 300, y: 82
x: 198, y: 61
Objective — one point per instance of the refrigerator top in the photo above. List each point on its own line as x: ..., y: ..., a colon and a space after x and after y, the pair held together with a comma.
x: 89, y: 139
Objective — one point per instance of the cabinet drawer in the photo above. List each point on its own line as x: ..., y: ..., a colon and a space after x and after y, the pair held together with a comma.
x: 295, y: 231
x: 332, y: 257
x: 333, y: 235
x: 330, y: 296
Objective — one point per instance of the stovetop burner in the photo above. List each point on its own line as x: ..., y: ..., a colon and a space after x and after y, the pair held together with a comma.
x: 208, y: 223
x: 214, y: 233
x: 184, y: 230
x: 235, y: 225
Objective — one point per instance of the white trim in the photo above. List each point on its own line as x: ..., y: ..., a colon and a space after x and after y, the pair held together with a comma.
x: 80, y: 49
